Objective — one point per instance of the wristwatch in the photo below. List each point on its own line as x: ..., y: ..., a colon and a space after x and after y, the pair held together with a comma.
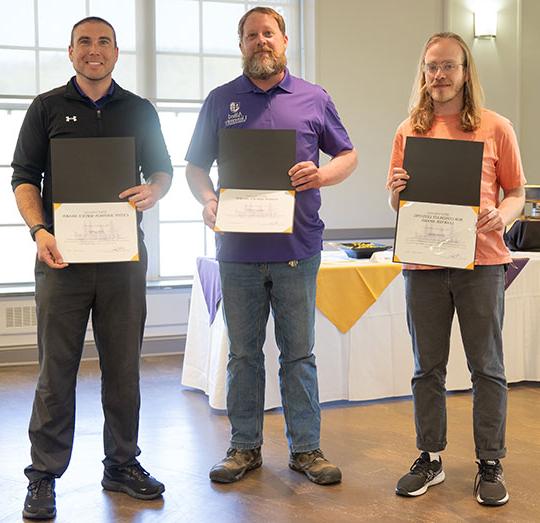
x: 35, y: 229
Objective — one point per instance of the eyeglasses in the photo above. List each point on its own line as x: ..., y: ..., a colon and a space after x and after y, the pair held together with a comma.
x: 446, y: 68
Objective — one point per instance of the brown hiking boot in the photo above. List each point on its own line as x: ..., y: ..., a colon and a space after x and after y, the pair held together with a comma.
x: 315, y: 466
x: 235, y: 464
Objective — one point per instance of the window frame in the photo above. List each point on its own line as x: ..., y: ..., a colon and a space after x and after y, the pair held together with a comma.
x: 147, y: 86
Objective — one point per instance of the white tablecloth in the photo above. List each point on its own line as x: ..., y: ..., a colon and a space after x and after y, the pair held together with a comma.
x: 374, y: 358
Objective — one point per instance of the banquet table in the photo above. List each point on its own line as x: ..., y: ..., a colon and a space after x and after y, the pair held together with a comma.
x: 372, y: 358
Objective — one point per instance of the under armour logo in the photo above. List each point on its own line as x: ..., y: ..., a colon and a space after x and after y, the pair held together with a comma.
x: 71, y: 118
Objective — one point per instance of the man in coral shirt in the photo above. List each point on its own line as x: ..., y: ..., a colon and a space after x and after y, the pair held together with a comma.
x: 447, y: 104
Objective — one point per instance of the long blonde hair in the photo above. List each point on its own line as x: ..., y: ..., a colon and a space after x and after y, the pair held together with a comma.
x: 421, y: 104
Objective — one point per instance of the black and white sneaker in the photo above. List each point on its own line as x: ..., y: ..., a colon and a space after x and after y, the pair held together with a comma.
x: 489, y: 486
x: 423, y: 474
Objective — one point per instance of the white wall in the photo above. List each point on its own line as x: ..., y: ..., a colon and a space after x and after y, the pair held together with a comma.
x: 498, y: 60
x: 530, y: 88
x: 366, y: 57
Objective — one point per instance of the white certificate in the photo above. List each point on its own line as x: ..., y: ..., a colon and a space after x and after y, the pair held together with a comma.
x: 250, y: 210
x: 436, y: 234
x: 96, y: 232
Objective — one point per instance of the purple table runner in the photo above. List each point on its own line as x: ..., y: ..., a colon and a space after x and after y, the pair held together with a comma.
x: 515, y: 267
x: 208, y: 270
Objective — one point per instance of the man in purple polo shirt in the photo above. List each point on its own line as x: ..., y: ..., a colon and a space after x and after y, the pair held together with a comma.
x: 259, y: 271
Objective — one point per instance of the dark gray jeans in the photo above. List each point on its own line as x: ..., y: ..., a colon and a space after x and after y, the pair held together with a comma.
x: 115, y: 293
x: 478, y: 298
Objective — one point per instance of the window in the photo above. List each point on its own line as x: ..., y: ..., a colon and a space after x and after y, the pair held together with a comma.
x: 172, y: 52
x: 34, y: 52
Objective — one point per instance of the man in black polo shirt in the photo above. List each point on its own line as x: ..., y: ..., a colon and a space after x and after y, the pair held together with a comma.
x: 90, y: 105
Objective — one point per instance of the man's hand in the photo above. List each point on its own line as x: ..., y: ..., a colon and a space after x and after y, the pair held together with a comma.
x: 47, y: 251
x: 489, y: 219
x: 496, y: 219
x: 306, y: 175
x: 396, y: 184
x: 398, y: 181
x: 143, y: 196
x: 202, y: 188
x: 209, y: 213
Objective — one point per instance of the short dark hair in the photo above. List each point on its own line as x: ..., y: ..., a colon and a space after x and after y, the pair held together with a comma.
x: 95, y: 20
x: 265, y: 11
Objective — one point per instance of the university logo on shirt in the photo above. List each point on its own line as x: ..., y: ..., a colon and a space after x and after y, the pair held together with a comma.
x: 235, y: 116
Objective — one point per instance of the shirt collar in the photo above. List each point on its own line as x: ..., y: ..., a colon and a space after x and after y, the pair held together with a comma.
x: 247, y: 86
x: 98, y: 103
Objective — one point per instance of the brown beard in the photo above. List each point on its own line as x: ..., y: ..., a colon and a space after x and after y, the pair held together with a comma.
x: 263, y: 65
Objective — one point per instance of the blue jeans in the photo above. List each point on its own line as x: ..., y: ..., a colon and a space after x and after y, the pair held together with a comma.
x: 249, y: 291
x: 478, y: 298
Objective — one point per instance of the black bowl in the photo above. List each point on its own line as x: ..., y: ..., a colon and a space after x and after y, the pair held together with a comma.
x: 362, y: 252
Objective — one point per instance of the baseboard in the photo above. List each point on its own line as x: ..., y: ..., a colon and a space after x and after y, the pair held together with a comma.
x: 28, y: 355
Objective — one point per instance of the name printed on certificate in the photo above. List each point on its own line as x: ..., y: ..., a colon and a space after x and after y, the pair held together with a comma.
x: 257, y: 211
x: 96, y: 232
x: 436, y: 234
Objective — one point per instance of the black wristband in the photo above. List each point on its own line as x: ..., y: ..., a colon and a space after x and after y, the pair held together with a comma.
x: 35, y: 229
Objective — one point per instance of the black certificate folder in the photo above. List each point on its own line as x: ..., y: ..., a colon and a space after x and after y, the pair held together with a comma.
x: 443, y: 171
x: 257, y: 159
x: 86, y: 170
x: 438, y: 210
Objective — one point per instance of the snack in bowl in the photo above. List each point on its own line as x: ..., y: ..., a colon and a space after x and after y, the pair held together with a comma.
x: 362, y: 249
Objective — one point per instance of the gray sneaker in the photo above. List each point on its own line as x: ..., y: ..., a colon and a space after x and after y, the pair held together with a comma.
x: 315, y: 466
x: 423, y: 474
x: 235, y: 464
x: 489, y: 486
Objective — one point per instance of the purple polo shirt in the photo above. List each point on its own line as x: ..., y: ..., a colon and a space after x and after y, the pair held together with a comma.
x: 292, y: 104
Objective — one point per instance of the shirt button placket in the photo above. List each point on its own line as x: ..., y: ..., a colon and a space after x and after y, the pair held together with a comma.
x: 268, y: 111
